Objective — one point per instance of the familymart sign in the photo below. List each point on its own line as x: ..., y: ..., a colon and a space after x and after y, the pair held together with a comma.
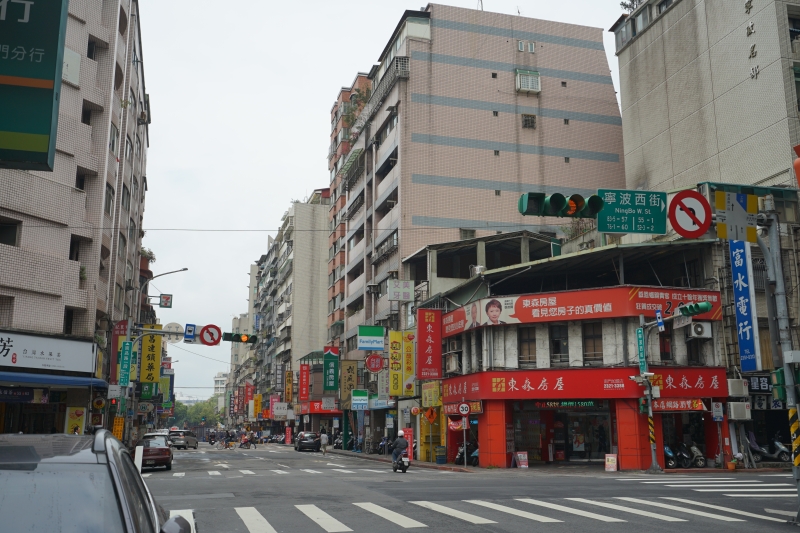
x: 370, y: 338
x: 31, y: 59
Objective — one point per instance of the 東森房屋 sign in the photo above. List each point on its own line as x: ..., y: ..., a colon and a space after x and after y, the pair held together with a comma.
x: 31, y: 59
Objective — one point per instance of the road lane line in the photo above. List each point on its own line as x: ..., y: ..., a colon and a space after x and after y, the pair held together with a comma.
x: 731, y: 489
x: 248, y: 472
x: 631, y: 510
x: 188, y: 514
x: 782, y: 513
x: 179, y: 474
x: 254, y: 521
x: 571, y: 510
x: 726, y: 509
x: 391, y: 516
x: 698, y: 481
x: 511, y: 510
x: 279, y: 471
x: 678, y: 478
x: 467, y: 517
x: 310, y: 471
x: 732, y: 485
x: 343, y: 471
x: 679, y: 509
x: 332, y: 464
x: 761, y: 495
x: 376, y: 471
x: 214, y: 473
x: 323, y: 519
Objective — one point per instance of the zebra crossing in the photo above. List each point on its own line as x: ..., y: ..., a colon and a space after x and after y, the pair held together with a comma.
x: 361, y: 516
x: 727, y: 486
x: 279, y: 472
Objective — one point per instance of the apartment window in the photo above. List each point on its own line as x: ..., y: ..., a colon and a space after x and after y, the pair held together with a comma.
x: 352, y: 343
x: 80, y: 181
x: 566, y: 160
x: 135, y: 188
x: 113, y: 142
x: 693, y: 351
x: 563, y: 84
x: 663, y: 5
x: 497, y: 192
x: 497, y: 152
x: 495, y: 114
x: 529, y: 121
x: 129, y: 271
x: 119, y: 296
x: 559, y: 344
x: 593, y: 342
x: 69, y: 317
x: 138, y: 146
x: 532, y: 47
x: 527, y: 346
x: 566, y: 122
x: 132, y: 231
x: 494, y: 75
x: 521, y: 46
x: 86, y: 117
x: 127, y: 311
x: 129, y: 150
x: 109, y: 204
x: 665, y: 342
x: 126, y: 198
x: 74, y: 248
x: 9, y: 232
x: 466, y: 234
x: 528, y: 81
x: 122, y: 250
x: 91, y: 50
x: 132, y: 101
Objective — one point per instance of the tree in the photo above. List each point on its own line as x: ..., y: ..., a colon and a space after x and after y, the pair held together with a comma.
x: 631, y: 5
x: 193, y: 414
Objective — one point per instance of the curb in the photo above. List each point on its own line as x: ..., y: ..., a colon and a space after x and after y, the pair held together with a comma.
x: 417, y: 464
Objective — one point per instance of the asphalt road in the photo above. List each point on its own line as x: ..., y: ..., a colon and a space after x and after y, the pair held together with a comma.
x: 275, y: 489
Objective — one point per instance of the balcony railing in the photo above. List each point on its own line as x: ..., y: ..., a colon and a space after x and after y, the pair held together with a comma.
x: 398, y: 69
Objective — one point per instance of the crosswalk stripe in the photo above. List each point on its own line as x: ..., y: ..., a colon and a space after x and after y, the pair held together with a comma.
x: 214, y: 473
x: 782, y: 513
x: 680, y: 509
x: 732, y: 486
x: 726, y: 509
x: 776, y: 475
x: 249, y: 472
x: 739, y: 489
x: 146, y: 475
x: 323, y: 519
x: 279, y: 471
x: 179, y: 474
x: 391, y: 516
x: 467, y: 517
x: 677, y: 478
x: 631, y: 510
x: 342, y: 471
x: 761, y: 495
x: 376, y: 471
x: 310, y: 471
x: 188, y: 514
x: 511, y: 510
x: 683, y: 481
x: 254, y: 521
x: 565, y: 509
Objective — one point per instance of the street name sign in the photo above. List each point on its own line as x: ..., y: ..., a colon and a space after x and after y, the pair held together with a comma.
x: 640, y: 345
x: 736, y: 216
x: 627, y: 211
x: 680, y: 321
x: 690, y: 214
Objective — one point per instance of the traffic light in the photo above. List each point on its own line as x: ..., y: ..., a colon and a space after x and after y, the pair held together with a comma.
x: 240, y: 337
x: 203, y: 418
x: 778, y: 385
x: 695, y: 309
x: 113, y: 403
x: 643, y: 405
x: 558, y: 205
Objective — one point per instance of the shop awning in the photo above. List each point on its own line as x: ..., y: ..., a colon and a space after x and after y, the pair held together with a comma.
x: 51, y: 379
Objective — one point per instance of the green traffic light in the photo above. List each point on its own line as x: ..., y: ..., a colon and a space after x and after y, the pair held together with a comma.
x: 695, y: 309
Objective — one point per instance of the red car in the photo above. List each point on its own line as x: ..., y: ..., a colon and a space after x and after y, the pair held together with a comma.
x: 156, y: 451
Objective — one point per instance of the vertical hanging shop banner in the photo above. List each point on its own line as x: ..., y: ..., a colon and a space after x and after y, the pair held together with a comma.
x: 240, y: 400
x: 150, y: 369
x: 32, y: 63
x: 302, y: 392
x: 409, y: 370
x: 330, y: 368
x: 396, y: 363
x: 288, y: 384
x: 349, y: 381
x: 164, y: 386
x: 257, y: 404
x: 383, y: 384
x: 429, y: 343
x: 230, y: 403
x: 744, y: 300
x: 279, y: 374
x: 249, y: 390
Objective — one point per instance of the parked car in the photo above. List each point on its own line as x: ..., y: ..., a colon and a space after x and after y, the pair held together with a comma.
x: 46, y: 480
x: 183, y: 438
x: 156, y: 451
x: 307, y: 440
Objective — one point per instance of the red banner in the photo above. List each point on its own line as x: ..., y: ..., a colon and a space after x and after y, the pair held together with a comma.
x: 310, y: 408
x: 589, y: 383
x: 249, y: 390
x: 678, y: 404
x: 302, y: 390
x: 587, y: 304
x: 429, y: 344
x: 475, y: 408
x: 240, y: 403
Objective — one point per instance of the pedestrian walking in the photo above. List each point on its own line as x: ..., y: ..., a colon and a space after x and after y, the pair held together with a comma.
x: 323, y: 441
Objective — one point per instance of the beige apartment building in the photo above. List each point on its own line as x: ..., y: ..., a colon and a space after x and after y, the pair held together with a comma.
x: 70, y: 239
x: 468, y: 110
x: 709, y: 92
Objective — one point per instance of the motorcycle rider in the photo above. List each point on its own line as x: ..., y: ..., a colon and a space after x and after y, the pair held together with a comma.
x: 399, y: 446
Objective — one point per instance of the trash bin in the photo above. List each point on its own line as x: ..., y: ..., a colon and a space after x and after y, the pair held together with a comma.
x: 441, y: 455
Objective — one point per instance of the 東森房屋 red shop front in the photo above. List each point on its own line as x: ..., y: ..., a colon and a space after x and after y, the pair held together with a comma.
x: 582, y: 414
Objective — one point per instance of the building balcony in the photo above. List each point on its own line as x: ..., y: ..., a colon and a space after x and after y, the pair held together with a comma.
x: 357, y: 285
x: 387, y: 221
x: 357, y: 251
x: 398, y: 69
x: 355, y: 319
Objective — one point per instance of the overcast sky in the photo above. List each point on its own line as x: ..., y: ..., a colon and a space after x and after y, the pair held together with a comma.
x: 240, y: 95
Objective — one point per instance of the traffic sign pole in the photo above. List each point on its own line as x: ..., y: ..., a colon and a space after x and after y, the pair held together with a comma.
x: 464, y: 409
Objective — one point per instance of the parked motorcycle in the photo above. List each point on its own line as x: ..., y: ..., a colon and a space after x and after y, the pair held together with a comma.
x: 669, y: 457
x: 690, y: 455
x: 337, y: 444
x: 460, y: 454
x: 760, y: 452
x: 402, y: 463
x: 473, y: 459
x: 383, y: 445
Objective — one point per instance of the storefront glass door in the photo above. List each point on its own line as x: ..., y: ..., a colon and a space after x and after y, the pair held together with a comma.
x: 587, y: 436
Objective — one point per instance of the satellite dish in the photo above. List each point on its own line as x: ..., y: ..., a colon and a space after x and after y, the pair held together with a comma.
x: 175, y: 332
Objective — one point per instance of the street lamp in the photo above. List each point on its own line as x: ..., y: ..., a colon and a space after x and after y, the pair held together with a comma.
x: 139, y: 297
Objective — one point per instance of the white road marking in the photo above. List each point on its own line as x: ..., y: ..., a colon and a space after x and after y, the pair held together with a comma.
x: 214, y: 473
x: 391, y: 516
x: 733, y: 486
x: 222, y: 465
x: 631, y: 510
x: 279, y: 471
x: 179, y: 474
x: 248, y: 472
x: 761, y: 495
x: 726, y: 509
x: 680, y: 509
x: 471, y: 518
x: 782, y: 513
x: 376, y: 471
x: 284, y: 466
x: 565, y: 509
x: 310, y: 471
x: 323, y: 519
x: 332, y: 464
x: 511, y: 510
x: 684, y: 482
x: 776, y: 475
x: 253, y: 520
x: 673, y: 478
x: 731, y: 489
x: 342, y: 471
x: 188, y: 514
x: 146, y: 475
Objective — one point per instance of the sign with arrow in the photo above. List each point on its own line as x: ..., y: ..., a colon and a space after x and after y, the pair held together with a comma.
x: 210, y: 335
x: 632, y: 212
x: 690, y: 214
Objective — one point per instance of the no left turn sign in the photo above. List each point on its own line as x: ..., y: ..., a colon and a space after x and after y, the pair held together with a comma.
x: 210, y: 335
x: 690, y: 214
x: 463, y: 409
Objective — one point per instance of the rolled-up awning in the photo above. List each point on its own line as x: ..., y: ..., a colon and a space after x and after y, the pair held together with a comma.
x: 51, y: 379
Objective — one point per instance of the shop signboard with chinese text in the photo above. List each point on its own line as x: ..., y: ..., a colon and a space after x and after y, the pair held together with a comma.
x: 302, y: 389
x: 678, y: 404
x: 587, y: 304
x: 349, y: 381
x: 150, y: 371
x: 288, y: 386
x: 400, y: 290
x: 118, y: 336
x: 746, y: 326
x: 431, y: 394
x: 330, y: 368
x: 429, y: 343
x: 396, y: 363
x: 257, y: 404
x: 409, y: 363
x: 632, y: 212
x: 46, y: 353
x: 451, y: 409
x: 165, y: 386
x: 249, y: 390
x: 383, y: 384
x: 31, y: 65
x: 279, y: 410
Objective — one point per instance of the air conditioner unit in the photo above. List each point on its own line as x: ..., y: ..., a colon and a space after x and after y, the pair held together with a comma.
x: 454, y: 345
x: 739, y: 410
x: 372, y: 288
x: 452, y: 365
x: 699, y: 330
x: 737, y: 388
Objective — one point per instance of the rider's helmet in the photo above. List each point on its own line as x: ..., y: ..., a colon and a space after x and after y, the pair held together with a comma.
x: 400, y: 433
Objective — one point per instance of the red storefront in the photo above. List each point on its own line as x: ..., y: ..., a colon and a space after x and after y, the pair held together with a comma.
x: 317, y: 416
x: 581, y: 414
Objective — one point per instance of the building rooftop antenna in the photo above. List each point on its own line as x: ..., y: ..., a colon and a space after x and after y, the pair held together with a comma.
x: 480, y: 5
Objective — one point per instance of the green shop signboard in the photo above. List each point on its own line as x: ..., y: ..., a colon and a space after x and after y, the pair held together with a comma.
x: 31, y: 59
